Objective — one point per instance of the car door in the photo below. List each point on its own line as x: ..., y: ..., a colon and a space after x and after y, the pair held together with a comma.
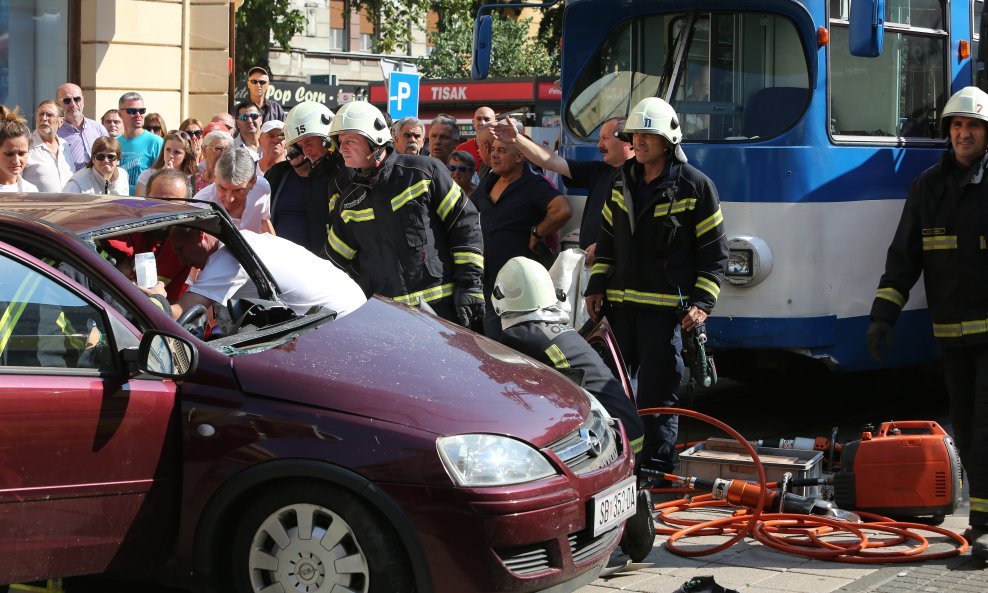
x: 86, y: 449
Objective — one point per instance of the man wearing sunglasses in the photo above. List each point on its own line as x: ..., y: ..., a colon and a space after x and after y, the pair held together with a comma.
x: 139, y: 148
x: 249, y: 125
x: 78, y: 131
x: 258, y: 83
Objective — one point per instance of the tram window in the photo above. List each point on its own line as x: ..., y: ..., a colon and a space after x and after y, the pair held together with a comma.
x: 978, y: 61
x: 925, y: 14
x: 897, y: 94
x: 627, y: 68
x: 734, y: 90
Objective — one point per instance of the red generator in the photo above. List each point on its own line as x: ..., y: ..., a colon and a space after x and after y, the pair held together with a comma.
x: 906, y: 469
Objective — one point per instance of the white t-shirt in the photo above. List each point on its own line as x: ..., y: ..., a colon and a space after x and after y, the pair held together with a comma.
x: 304, y: 279
x: 256, y: 210
x: 47, y: 172
x: 21, y: 185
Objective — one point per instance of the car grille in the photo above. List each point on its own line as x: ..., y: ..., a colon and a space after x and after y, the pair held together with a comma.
x: 583, y: 545
x: 591, y: 447
x: 526, y: 560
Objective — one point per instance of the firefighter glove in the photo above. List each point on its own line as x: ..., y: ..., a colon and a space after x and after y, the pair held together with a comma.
x: 879, y: 331
x: 469, y: 303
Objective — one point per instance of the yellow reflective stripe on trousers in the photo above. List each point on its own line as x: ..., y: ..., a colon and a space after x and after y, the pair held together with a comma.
x: 428, y: 295
x: 557, y: 357
x: 76, y: 340
x: 891, y: 294
x: 937, y: 242
x: 709, y: 223
x: 365, y: 215
x: 600, y: 269
x: 446, y: 206
x: 618, y: 199
x: 409, y: 194
x: 340, y: 247
x: 636, y: 445
x: 979, y: 504
x: 708, y: 285
x: 957, y: 330
x: 16, y: 306
x: 643, y: 298
x: 606, y: 212
x: 467, y: 258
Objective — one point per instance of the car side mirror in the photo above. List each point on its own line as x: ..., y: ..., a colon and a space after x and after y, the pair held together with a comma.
x: 166, y: 355
x: 867, y: 28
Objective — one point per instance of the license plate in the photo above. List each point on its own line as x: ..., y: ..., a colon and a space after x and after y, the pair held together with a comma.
x: 613, y: 506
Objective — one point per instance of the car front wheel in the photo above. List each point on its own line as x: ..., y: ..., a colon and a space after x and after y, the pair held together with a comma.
x: 316, y: 538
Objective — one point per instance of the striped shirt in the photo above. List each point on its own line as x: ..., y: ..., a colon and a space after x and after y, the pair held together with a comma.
x: 80, y: 140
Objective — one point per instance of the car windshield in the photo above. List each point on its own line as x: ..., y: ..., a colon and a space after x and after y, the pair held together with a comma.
x: 253, y: 318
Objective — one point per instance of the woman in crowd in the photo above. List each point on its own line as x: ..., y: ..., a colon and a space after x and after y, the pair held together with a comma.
x: 155, y: 124
x: 193, y: 128
x: 48, y: 167
x: 214, y: 145
x: 462, y: 168
x: 176, y: 153
x: 15, y: 141
x: 112, y: 122
x: 101, y: 175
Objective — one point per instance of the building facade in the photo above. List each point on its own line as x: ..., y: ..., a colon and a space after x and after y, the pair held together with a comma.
x: 175, y: 53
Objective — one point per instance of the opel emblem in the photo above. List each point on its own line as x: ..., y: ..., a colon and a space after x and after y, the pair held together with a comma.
x: 596, y: 448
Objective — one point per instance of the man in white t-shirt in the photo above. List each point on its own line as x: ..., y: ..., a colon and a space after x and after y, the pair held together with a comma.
x: 304, y: 279
x: 245, y: 195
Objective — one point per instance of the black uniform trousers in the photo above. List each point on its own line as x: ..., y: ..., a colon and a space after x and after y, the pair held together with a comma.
x: 651, y: 344
x: 966, y: 373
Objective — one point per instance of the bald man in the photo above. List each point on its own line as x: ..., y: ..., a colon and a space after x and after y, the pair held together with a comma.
x: 78, y: 131
x: 483, y: 119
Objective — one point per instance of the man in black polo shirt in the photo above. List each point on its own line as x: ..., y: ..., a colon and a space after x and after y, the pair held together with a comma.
x: 258, y: 82
x: 594, y: 176
x: 518, y: 209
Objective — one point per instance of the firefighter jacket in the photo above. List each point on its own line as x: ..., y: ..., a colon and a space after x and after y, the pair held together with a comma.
x: 407, y: 232
x: 560, y: 346
x: 673, y: 250
x: 942, y: 233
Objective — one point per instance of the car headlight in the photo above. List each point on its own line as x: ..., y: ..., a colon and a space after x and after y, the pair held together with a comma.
x: 478, y: 460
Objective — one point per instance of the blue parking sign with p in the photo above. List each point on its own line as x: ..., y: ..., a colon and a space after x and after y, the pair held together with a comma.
x: 403, y: 95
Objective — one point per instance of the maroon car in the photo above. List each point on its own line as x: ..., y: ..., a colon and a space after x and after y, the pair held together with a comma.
x: 385, y: 451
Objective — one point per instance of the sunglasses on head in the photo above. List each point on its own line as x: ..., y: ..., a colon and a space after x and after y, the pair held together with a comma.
x: 154, y: 129
x: 460, y: 168
x: 183, y: 135
x: 258, y: 82
x: 69, y: 100
x: 136, y: 110
x: 105, y: 156
x: 246, y: 116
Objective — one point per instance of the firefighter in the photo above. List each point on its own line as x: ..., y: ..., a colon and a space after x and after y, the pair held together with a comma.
x: 533, y: 323
x: 305, y: 205
x: 942, y: 234
x: 662, y: 244
x: 403, y: 228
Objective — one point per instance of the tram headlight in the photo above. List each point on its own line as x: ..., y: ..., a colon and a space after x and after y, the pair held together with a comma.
x: 749, y: 261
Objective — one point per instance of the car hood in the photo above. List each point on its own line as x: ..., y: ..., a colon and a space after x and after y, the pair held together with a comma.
x: 393, y: 363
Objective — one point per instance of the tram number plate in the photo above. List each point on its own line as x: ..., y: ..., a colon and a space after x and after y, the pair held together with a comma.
x: 613, y: 506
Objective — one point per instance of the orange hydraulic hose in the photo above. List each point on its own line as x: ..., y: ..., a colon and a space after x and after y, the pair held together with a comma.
x: 792, y: 533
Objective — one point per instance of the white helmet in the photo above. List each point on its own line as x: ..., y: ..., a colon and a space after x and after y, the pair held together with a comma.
x: 363, y: 118
x: 308, y: 118
x: 523, y: 285
x: 970, y: 101
x: 652, y: 115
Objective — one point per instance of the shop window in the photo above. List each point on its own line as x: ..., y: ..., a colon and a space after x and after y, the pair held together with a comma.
x: 39, y: 30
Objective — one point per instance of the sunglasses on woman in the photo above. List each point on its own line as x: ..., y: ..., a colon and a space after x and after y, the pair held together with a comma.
x: 460, y: 168
x: 105, y: 156
x: 183, y: 135
x: 153, y: 129
x: 196, y: 133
